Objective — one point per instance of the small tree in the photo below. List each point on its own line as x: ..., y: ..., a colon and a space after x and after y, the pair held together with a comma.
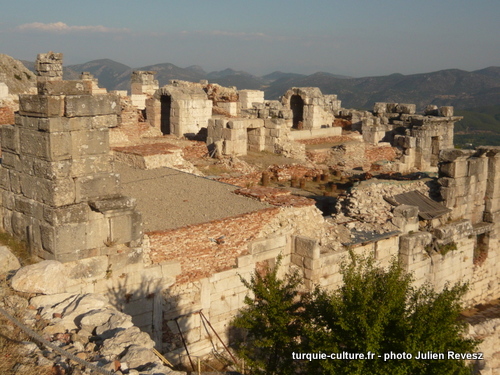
x: 272, y: 322
x: 377, y: 310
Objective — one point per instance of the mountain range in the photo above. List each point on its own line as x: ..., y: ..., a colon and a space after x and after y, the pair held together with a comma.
x: 475, y: 95
x: 459, y: 88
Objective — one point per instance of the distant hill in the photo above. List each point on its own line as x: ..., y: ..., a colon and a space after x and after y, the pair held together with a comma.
x: 446, y: 87
x: 461, y: 89
x: 17, y: 77
x: 109, y: 73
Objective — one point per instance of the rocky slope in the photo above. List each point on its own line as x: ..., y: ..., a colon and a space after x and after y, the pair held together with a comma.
x: 17, y: 77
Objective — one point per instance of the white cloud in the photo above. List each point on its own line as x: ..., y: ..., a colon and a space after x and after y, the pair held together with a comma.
x: 61, y: 27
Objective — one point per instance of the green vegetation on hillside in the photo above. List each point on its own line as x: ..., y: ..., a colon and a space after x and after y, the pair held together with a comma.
x: 480, y: 126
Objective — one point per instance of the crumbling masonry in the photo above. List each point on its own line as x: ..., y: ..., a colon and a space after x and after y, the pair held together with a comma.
x: 60, y: 194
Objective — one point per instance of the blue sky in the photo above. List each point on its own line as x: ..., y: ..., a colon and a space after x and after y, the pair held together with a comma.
x: 356, y: 38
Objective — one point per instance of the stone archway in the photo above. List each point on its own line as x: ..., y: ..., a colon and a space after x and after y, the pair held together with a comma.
x: 297, y: 107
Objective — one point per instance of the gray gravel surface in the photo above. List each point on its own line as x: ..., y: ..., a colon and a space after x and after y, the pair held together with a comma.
x: 168, y: 198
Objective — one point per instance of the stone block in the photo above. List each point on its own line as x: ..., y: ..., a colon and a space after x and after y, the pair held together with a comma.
x: 446, y: 111
x: 98, y: 232
x: 234, y: 134
x: 306, y: 247
x: 414, y: 243
x: 51, y: 170
x: 452, y: 154
x: 267, y: 244
x: 20, y: 224
x: 27, y: 122
x: 9, y: 136
x: 4, y: 179
x: 93, y: 164
x: 10, y: 160
x: 47, y: 146
x: 75, y: 213
x: 121, y: 260
x: 408, y: 109
x: 59, y: 192
x: 456, y: 169
x: 92, y: 105
x: 454, y: 231
x: 28, y: 207
x: 89, y: 142
x: 96, y: 186
x: 41, y: 105
x: 64, y: 87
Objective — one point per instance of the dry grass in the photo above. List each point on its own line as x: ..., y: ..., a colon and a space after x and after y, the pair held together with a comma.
x: 12, y: 359
x: 18, y: 248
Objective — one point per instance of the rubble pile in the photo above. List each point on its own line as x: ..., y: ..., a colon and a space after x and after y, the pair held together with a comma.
x: 366, y: 205
x: 88, y: 327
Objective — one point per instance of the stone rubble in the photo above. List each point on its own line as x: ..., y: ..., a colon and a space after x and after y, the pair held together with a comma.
x: 90, y: 328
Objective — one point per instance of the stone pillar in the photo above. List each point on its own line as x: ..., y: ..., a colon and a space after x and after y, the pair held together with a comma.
x: 59, y: 192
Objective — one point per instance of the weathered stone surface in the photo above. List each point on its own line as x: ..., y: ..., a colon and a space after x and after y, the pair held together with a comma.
x: 137, y: 356
x: 95, y: 105
x: 41, y: 106
x: 47, y: 277
x: 122, y: 340
x: 8, y: 261
x: 64, y: 87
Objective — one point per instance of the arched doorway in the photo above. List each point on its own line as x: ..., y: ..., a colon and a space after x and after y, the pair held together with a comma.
x: 297, y: 107
x: 166, y: 107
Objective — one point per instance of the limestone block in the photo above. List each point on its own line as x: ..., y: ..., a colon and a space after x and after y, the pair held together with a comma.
x: 10, y: 161
x: 446, y: 111
x: 409, y: 109
x: 121, y: 227
x: 457, y: 168
x: 414, y: 243
x: 9, y: 136
x: 51, y: 170
x: 379, y: 108
x: 4, y: 179
x: 28, y: 207
x: 8, y: 199
x: 478, y: 167
x: 8, y: 261
x: 75, y: 213
x: 234, y: 134
x: 96, y: 186
x: 4, y: 90
x: 64, y: 87
x: 92, y: 105
x: 93, y: 164
x: 89, y: 142
x: 47, y: 146
x: 58, y: 192
x: 41, y: 105
x: 6, y: 216
x: 454, y: 231
x: 452, y: 154
x: 307, y: 247
x: 47, y: 277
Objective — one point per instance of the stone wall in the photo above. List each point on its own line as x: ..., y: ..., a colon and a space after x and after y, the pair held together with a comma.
x: 185, y: 111
x: 59, y: 192
x: 419, y: 137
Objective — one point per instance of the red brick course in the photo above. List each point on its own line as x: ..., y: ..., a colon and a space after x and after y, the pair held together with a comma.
x: 208, y: 248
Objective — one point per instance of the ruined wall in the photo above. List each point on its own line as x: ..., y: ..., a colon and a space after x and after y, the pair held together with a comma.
x: 179, y: 109
x: 311, y: 109
x: 59, y: 192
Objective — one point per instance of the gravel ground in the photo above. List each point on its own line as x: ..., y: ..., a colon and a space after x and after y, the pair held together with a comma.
x: 168, y: 198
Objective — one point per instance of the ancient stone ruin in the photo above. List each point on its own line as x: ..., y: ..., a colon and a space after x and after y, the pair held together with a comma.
x: 96, y: 184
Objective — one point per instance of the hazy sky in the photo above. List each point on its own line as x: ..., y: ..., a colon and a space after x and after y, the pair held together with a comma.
x: 349, y: 37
